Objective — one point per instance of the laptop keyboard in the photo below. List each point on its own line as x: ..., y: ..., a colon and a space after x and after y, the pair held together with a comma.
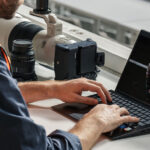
x: 133, y: 107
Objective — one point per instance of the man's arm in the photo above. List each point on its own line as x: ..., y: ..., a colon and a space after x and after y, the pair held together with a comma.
x: 67, y: 91
x: 19, y: 132
x: 38, y: 90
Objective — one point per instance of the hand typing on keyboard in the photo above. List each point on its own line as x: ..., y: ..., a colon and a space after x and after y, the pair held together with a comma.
x: 101, y: 119
x: 117, y: 117
x: 71, y: 91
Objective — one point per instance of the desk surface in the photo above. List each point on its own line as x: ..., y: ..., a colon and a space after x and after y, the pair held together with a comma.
x: 42, y: 114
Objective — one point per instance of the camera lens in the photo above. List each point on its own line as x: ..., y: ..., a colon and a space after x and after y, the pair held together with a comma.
x: 23, y: 60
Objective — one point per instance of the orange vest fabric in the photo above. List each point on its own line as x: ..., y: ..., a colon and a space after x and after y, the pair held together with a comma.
x: 6, y: 58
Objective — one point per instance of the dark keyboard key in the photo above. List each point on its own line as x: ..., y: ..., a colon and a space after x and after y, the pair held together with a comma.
x: 132, y: 124
x: 143, y: 120
x: 147, y: 122
x: 141, y: 124
x: 147, y: 118
x: 109, y: 103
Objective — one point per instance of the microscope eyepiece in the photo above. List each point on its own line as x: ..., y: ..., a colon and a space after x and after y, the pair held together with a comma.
x: 42, y: 7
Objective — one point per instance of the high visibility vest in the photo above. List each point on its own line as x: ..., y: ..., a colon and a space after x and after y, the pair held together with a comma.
x: 6, y: 58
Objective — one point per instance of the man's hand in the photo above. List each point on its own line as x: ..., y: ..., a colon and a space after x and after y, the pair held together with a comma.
x: 110, y: 116
x: 70, y: 91
x: 102, y: 118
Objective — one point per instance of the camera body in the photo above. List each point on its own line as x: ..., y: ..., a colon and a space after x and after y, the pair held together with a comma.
x: 77, y: 60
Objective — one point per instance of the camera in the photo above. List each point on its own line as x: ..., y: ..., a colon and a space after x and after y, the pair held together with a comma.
x: 77, y: 60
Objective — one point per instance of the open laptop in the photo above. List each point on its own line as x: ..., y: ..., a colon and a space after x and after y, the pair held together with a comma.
x: 130, y: 93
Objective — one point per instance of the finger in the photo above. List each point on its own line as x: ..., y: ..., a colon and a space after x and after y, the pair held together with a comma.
x: 129, y: 119
x: 103, y: 88
x: 85, y: 100
x: 115, y: 106
x: 95, y: 88
x: 106, y: 93
x: 123, y: 111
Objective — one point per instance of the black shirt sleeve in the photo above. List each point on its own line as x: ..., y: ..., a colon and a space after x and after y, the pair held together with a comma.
x: 17, y: 130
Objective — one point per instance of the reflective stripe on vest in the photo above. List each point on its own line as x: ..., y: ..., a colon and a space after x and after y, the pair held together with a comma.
x: 6, y: 58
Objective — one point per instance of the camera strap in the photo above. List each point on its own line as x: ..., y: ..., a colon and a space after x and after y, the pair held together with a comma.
x: 6, y: 58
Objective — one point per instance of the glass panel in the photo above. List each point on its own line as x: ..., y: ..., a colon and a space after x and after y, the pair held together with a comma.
x: 117, y: 20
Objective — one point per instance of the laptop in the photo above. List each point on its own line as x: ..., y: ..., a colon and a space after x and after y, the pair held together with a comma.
x: 130, y: 93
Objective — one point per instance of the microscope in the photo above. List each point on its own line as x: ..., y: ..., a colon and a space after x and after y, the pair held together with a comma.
x: 69, y: 59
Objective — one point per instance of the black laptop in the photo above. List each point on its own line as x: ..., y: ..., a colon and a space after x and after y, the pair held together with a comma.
x: 130, y: 93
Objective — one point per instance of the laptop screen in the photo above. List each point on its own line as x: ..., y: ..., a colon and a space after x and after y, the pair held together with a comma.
x: 133, y: 78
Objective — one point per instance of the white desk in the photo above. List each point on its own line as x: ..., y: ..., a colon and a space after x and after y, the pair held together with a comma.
x: 42, y: 114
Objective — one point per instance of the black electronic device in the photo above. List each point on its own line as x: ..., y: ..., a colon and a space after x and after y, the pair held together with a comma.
x: 23, y: 60
x: 131, y: 92
x: 77, y: 60
x: 148, y: 82
x: 42, y: 7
